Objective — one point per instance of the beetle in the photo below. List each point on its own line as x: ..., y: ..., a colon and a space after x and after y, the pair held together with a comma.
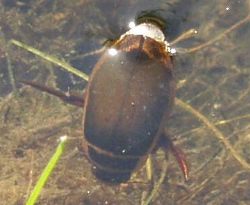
x: 126, y: 104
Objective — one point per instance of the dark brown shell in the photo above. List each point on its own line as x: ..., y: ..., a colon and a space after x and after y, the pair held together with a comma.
x: 127, y: 98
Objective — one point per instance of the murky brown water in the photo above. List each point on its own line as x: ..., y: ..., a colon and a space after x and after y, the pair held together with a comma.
x: 216, y: 83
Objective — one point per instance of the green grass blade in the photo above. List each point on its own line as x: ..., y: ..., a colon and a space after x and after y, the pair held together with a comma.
x: 47, y: 172
x: 51, y: 59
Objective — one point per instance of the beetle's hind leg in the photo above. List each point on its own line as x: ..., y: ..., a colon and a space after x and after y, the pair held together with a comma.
x: 166, y: 143
x: 69, y: 98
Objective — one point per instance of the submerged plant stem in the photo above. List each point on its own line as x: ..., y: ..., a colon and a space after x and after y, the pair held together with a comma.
x: 217, y: 133
x: 221, y: 122
x: 156, y: 187
x: 11, y: 73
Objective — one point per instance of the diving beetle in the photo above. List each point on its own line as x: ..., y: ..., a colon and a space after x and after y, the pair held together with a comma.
x: 127, y: 102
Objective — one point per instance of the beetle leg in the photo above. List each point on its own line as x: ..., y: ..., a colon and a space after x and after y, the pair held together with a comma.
x: 167, y: 143
x: 66, y: 97
x: 191, y: 32
x: 186, y: 35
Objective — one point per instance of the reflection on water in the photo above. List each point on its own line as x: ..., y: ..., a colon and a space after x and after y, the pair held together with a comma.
x: 215, y: 81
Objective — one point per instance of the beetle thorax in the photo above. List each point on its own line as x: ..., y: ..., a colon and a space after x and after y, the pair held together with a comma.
x: 147, y: 30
